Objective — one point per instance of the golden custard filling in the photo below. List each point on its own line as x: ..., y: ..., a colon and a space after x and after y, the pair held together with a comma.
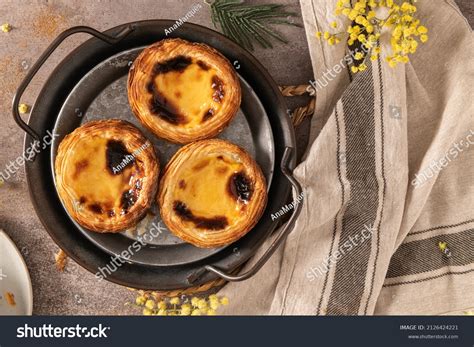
x: 212, y: 192
x: 102, y: 176
x: 185, y: 91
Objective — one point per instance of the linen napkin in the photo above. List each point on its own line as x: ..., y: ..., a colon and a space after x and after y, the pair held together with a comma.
x: 387, y: 222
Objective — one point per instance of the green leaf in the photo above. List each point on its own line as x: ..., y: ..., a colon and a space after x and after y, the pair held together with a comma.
x: 250, y: 24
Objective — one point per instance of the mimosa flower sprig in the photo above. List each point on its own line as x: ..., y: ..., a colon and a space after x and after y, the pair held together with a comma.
x: 185, y: 306
x: 369, y: 18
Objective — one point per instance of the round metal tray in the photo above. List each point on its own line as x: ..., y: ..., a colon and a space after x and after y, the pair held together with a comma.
x: 93, y: 100
x: 44, y: 116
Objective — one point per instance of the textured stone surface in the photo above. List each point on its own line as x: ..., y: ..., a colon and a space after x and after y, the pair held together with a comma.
x: 35, y: 24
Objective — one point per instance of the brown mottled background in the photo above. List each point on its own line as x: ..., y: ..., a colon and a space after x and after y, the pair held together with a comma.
x: 35, y: 24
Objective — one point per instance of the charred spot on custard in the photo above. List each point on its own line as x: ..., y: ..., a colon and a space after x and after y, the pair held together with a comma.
x: 117, y: 157
x: 182, y: 184
x: 162, y: 107
x: 203, y: 65
x: 79, y: 167
x: 96, y: 208
x: 177, y: 64
x: 240, y: 186
x: 224, y: 159
x: 218, y: 87
x: 215, y: 223
x: 208, y: 114
x: 129, y: 198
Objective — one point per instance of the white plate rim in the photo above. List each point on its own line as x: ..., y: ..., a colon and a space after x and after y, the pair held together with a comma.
x: 29, y: 304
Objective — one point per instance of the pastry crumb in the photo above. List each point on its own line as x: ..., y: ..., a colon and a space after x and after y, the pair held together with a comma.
x: 61, y: 260
x: 10, y: 297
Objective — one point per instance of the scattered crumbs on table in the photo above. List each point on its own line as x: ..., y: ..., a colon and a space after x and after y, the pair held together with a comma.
x: 61, y: 260
x: 49, y: 22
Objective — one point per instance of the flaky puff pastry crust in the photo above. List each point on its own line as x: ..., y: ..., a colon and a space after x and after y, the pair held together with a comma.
x: 212, y: 193
x: 194, y: 95
x: 106, y: 175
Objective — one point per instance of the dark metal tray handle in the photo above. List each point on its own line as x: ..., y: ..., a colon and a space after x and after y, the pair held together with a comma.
x: 286, y: 229
x: 37, y: 65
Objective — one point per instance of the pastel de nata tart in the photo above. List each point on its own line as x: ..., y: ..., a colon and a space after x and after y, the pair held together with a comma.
x: 183, y: 91
x: 212, y: 193
x: 106, y: 175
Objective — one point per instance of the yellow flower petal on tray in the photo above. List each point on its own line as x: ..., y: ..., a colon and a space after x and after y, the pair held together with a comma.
x: 23, y: 108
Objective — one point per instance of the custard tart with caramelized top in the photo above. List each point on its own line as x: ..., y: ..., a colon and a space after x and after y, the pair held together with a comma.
x: 183, y: 91
x: 212, y: 193
x: 106, y: 175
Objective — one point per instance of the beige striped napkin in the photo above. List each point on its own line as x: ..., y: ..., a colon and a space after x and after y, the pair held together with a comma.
x: 387, y: 225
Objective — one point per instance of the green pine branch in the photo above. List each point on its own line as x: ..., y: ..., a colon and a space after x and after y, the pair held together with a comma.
x: 249, y: 25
